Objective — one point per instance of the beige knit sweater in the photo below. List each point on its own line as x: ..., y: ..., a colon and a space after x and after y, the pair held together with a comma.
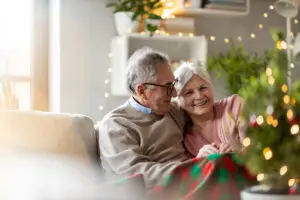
x: 133, y: 142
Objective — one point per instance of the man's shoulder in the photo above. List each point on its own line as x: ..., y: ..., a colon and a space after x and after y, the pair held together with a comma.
x: 175, y: 107
x: 121, y: 112
x: 178, y: 114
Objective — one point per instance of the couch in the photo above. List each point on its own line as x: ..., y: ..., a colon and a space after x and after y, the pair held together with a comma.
x: 49, y: 156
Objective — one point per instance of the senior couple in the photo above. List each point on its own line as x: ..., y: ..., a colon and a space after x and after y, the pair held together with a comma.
x: 169, y: 120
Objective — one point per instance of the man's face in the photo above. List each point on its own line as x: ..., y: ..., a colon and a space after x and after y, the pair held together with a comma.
x: 157, y: 97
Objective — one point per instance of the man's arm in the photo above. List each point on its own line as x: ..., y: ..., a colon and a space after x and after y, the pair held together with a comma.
x: 120, y: 149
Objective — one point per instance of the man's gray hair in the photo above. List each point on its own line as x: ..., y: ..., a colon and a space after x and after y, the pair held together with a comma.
x: 185, y: 72
x: 142, y: 66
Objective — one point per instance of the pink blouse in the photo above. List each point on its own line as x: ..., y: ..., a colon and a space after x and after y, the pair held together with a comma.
x: 226, y: 127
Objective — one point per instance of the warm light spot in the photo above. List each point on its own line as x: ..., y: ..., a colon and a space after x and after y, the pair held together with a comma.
x: 293, y: 101
x: 275, y: 123
x: 260, y: 120
x: 260, y: 26
x: 283, y: 45
x: 291, y: 182
x: 296, y: 21
x: 266, y: 15
x: 270, y: 119
x: 278, y: 45
x: 246, y: 142
x: 269, y: 71
x: 295, y: 129
x: 292, y: 65
x: 284, y: 88
x: 267, y: 153
x: 252, y: 35
x: 286, y: 99
x: 271, y: 80
x: 289, y: 114
x: 212, y: 38
x: 260, y: 177
x: 271, y: 7
x: 226, y: 40
x: 283, y: 170
x: 191, y: 34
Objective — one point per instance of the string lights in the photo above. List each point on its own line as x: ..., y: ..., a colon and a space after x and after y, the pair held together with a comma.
x: 106, y: 87
x: 168, y: 13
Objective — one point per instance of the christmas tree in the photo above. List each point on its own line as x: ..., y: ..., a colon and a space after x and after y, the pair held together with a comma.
x: 272, y: 108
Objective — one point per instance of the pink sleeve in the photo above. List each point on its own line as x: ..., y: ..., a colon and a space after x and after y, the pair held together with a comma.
x: 193, y: 142
x: 236, y: 108
x: 232, y: 127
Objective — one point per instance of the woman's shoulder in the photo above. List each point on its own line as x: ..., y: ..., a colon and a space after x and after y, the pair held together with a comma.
x: 233, y: 104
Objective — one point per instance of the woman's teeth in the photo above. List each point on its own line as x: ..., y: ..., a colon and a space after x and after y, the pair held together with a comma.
x: 202, y: 102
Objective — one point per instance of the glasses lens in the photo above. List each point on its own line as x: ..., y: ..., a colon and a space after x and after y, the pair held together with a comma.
x: 170, y: 89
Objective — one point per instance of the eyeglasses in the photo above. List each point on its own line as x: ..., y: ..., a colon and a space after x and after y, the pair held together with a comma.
x: 168, y: 86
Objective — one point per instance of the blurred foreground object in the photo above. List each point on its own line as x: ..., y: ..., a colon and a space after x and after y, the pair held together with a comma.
x: 51, y: 156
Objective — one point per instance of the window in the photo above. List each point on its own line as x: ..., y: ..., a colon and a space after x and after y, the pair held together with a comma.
x: 15, y: 54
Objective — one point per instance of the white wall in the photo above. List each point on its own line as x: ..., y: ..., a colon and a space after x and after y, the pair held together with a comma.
x: 86, y: 28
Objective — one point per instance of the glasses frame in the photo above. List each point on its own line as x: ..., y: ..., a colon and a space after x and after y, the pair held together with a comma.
x: 169, y: 87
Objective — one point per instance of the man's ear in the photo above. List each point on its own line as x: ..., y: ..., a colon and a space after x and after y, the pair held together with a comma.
x: 140, y: 91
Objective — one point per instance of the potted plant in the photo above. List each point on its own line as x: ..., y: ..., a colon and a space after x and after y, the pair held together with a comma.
x: 272, y: 144
x: 131, y: 15
x: 237, y: 66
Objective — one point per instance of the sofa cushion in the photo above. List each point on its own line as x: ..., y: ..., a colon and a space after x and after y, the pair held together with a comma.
x: 48, y: 133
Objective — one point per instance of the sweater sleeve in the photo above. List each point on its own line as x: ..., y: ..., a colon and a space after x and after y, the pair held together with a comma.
x: 121, y: 151
x: 232, y: 127
x: 237, y: 108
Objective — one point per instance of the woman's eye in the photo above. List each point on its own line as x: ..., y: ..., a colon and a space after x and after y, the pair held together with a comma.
x: 188, y: 93
x: 203, y: 88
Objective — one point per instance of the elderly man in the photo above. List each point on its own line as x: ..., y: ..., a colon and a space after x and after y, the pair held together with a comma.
x: 144, y: 135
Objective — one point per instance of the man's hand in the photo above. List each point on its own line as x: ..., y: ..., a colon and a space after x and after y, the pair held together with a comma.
x: 208, y: 149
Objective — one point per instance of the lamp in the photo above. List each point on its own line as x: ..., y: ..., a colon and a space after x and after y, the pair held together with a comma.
x: 296, y: 50
x: 289, y: 9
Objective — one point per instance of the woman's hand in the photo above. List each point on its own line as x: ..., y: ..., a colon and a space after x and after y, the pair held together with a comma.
x: 208, y: 149
x: 234, y: 146
x: 225, y: 148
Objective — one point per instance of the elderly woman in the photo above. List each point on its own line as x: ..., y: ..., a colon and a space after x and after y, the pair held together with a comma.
x: 216, y: 127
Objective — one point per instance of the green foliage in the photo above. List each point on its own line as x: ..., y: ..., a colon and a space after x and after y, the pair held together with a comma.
x: 260, y: 95
x: 142, y: 10
x: 237, y: 66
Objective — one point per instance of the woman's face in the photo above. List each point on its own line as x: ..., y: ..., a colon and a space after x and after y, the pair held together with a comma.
x: 196, y: 97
